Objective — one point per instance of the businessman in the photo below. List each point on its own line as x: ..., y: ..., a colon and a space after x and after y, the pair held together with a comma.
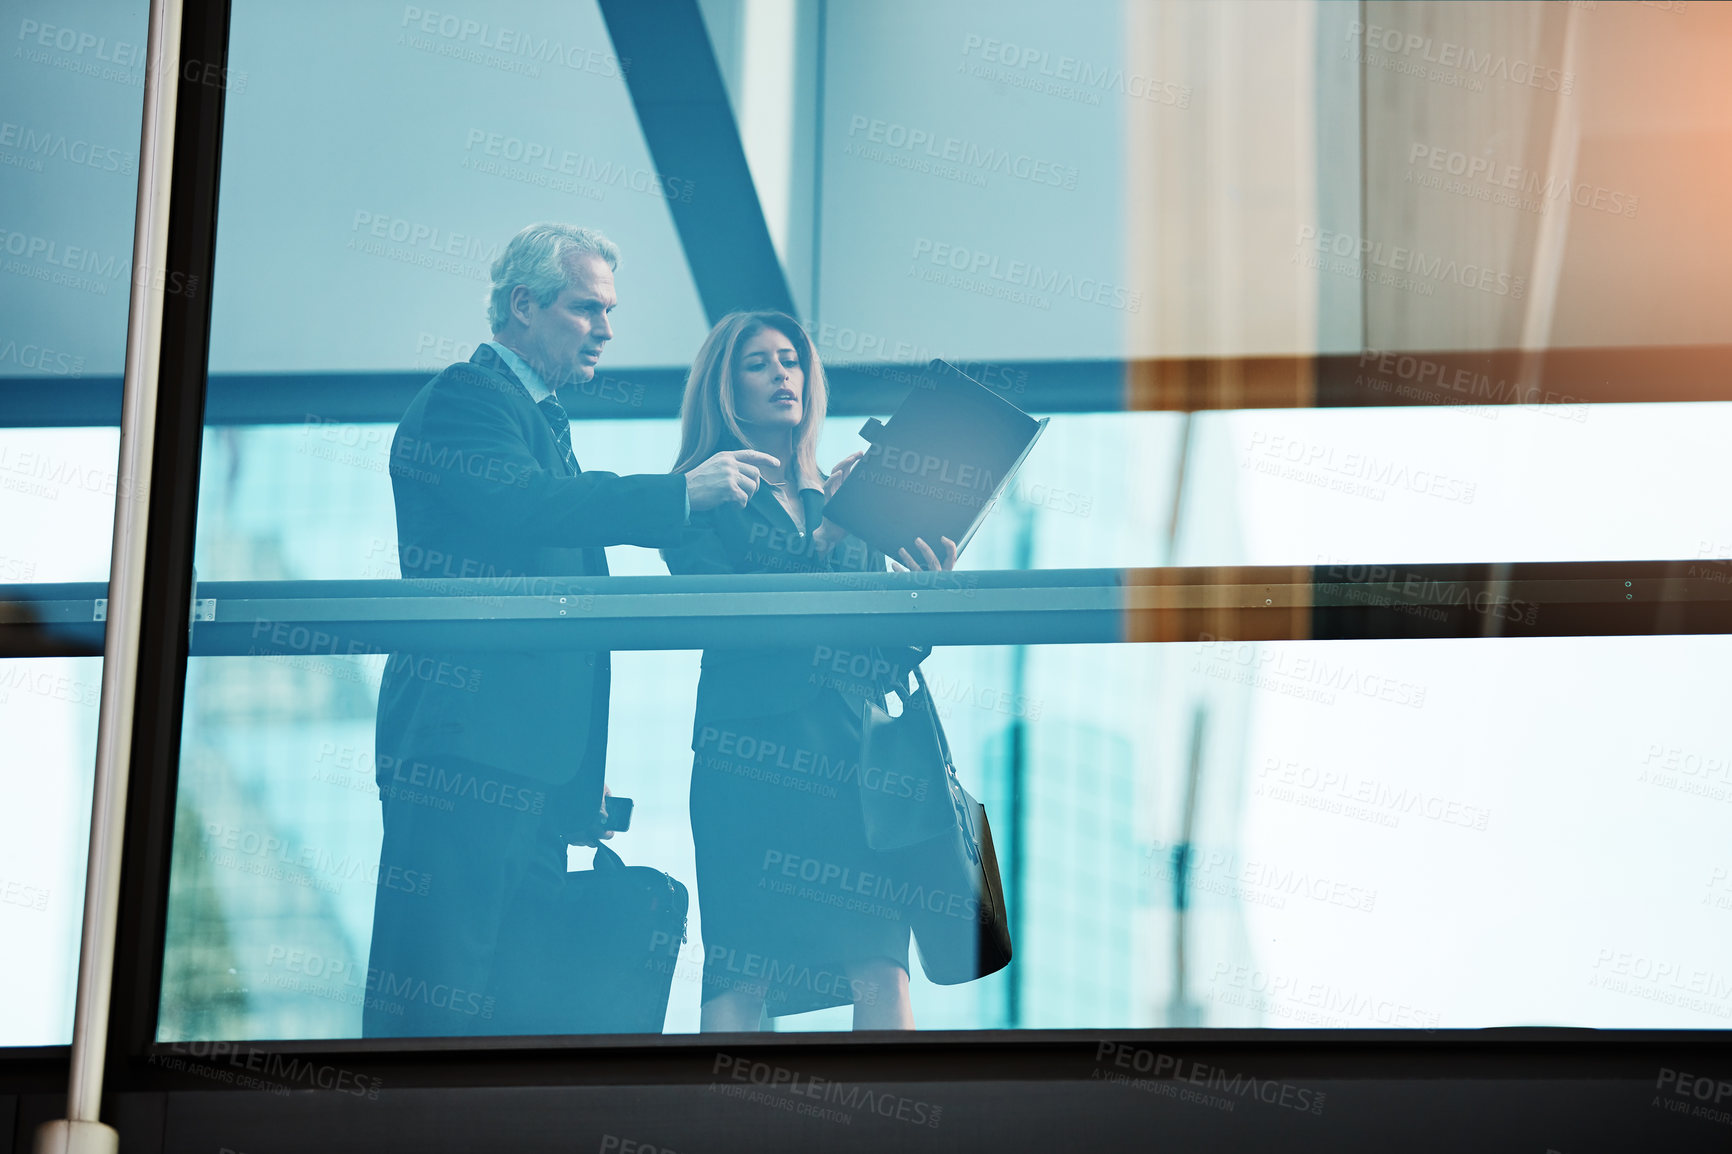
x: 490, y: 760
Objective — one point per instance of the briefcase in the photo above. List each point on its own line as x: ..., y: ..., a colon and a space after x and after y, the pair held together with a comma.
x: 628, y: 924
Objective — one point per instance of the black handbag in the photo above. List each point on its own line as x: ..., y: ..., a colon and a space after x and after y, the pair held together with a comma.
x: 626, y: 926
x: 936, y: 836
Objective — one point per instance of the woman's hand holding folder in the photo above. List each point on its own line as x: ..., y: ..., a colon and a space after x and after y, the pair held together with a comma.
x: 931, y: 559
x: 828, y: 534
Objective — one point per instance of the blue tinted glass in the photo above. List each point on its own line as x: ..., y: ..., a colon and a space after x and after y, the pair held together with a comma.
x: 70, y: 100
x: 1318, y: 287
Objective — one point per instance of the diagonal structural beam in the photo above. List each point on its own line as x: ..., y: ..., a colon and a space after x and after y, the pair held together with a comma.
x: 688, y: 122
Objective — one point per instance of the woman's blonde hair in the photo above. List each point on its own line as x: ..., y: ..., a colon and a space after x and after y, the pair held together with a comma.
x: 708, y: 415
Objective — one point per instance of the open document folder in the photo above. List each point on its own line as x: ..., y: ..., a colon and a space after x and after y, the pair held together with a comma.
x: 936, y: 468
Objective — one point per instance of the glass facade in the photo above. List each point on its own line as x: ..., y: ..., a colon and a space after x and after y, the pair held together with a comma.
x: 1297, y: 284
x: 71, y: 95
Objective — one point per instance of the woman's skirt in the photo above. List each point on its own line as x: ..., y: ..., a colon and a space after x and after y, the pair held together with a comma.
x: 789, y: 893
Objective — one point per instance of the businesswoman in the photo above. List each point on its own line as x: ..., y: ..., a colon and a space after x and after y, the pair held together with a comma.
x: 798, y: 912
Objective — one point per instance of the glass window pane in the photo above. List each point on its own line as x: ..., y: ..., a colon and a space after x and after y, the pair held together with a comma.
x: 1237, y: 216
x: 48, y: 714
x: 72, y: 93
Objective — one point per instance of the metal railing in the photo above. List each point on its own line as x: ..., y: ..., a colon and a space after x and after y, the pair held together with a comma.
x: 1003, y: 607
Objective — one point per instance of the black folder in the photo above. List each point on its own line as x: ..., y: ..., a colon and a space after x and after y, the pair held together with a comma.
x: 936, y: 468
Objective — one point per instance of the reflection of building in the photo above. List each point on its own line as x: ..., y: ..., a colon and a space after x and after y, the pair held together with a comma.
x: 1203, y: 743
x: 1077, y: 957
x: 1109, y: 797
x: 276, y: 832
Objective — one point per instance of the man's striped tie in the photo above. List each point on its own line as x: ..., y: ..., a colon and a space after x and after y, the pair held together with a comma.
x: 555, y: 414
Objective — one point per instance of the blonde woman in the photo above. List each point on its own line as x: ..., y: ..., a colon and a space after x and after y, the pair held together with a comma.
x: 798, y: 912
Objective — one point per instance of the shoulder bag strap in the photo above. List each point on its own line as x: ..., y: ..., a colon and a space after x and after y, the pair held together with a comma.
x: 958, y: 798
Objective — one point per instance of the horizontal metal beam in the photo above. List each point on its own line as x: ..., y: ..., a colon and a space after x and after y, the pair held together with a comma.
x: 861, y: 388
x: 1054, y: 606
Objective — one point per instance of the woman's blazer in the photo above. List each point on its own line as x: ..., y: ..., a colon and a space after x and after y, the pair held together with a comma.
x: 760, y: 537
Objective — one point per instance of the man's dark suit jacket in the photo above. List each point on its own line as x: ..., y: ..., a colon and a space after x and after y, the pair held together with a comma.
x: 761, y: 538
x: 482, y: 490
